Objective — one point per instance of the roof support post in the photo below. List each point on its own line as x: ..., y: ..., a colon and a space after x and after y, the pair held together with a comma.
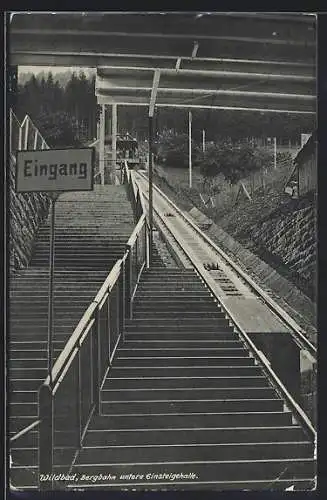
x: 150, y: 188
x: 101, y: 141
x: 155, y: 84
x: 114, y: 144
x: 190, y: 147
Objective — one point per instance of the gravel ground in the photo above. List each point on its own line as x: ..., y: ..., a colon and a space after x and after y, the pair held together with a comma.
x: 163, y: 250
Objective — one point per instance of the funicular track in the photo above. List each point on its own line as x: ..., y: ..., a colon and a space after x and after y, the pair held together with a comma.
x: 229, y: 277
x: 250, y: 309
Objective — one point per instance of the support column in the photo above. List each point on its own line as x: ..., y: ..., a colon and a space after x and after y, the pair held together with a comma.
x: 114, y: 144
x: 190, y: 147
x: 150, y: 188
x: 101, y: 141
x: 275, y: 153
x: 203, y: 140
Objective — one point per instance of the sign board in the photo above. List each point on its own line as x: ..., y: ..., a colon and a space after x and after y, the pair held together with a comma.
x: 55, y: 170
x: 304, y: 139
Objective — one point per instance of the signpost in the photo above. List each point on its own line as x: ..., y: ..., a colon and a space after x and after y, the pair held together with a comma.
x: 190, y: 147
x: 54, y: 171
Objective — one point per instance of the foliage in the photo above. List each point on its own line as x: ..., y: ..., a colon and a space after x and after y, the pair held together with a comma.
x: 233, y: 161
x: 51, y: 105
x: 58, y: 128
x: 173, y: 150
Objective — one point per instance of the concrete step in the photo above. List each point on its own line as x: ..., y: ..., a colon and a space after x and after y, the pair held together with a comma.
x: 162, y: 314
x: 161, y: 352
x: 187, y: 322
x: 191, y: 406
x: 176, y: 334
x: 180, y: 344
x: 189, y: 361
x: 195, y: 453
x: 188, y: 393
x: 203, y: 420
x: 217, y: 435
x: 191, y: 382
x: 201, y: 371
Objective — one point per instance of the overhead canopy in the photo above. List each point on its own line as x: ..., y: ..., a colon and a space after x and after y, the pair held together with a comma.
x: 215, y: 89
x: 255, y: 61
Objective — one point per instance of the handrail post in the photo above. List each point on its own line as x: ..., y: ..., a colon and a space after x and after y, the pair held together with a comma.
x: 128, y: 281
x: 122, y: 298
x: 108, y: 323
x: 150, y: 188
x: 10, y: 131
x: 20, y: 134
x: 96, y: 364
x: 26, y: 134
x: 36, y: 133
x: 46, y: 437
x: 79, y: 400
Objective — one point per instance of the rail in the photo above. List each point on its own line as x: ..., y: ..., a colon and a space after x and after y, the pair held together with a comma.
x: 300, y: 415
x: 70, y: 395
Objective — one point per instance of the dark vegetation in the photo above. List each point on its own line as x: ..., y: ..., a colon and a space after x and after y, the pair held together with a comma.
x: 280, y: 230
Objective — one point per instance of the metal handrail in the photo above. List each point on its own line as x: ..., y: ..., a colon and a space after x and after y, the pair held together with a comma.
x: 24, y: 431
x: 111, y: 305
x: 296, y: 331
x: 211, y: 284
x: 122, y: 282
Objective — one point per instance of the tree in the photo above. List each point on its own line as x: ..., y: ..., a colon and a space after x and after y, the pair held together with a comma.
x: 233, y: 161
x: 58, y: 129
x: 172, y: 149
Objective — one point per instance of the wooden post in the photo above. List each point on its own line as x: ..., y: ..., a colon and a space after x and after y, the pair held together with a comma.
x: 114, y: 144
x: 26, y: 134
x: 54, y: 197
x: 150, y: 189
x: 35, y: 139
x: 10, y: 131
x: 203, y: 140
x: 190, y: 147
x: 275, y: 153
x: 101, y: 141
x: 46, y: 437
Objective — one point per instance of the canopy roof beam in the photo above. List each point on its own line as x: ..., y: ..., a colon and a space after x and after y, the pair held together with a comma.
x: 154, y: 90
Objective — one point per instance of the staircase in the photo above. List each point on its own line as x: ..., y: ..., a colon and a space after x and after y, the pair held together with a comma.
x: 91, y: 232
x: 185, y: 406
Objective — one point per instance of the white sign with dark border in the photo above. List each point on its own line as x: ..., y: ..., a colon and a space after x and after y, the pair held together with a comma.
x: 55, y: 170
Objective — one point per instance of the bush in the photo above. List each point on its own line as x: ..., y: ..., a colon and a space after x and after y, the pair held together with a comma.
x: 233, y: 161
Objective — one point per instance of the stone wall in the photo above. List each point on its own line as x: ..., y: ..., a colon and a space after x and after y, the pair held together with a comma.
x: 296, y: 303
x: 26, y: 212
x: 291, y: 238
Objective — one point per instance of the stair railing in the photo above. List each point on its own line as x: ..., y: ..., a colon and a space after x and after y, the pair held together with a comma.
x: 30, y: 137
x: 135, y: 195
x: 70, y: 395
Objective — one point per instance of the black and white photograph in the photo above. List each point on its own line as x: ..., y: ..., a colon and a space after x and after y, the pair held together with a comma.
x: 161, y: 293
